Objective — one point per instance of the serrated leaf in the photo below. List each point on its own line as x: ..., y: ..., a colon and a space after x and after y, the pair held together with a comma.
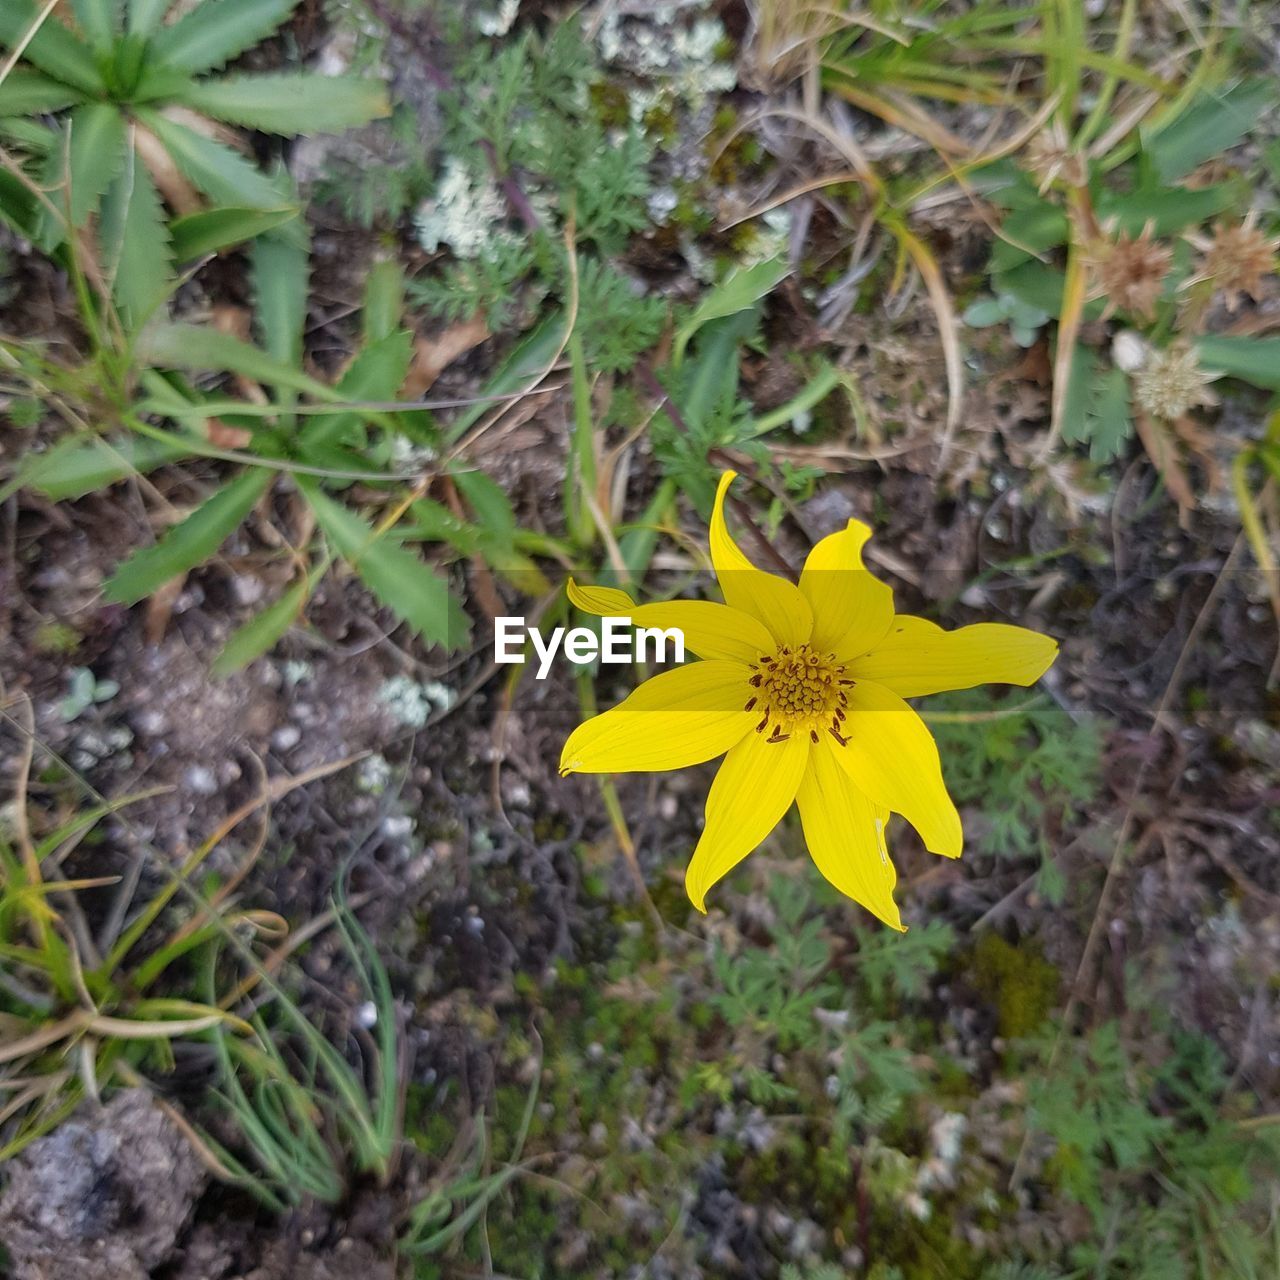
x: 73, y: 468
x: 223, y: 175
x: 213, y: 230
x: 136, y: 243
x: 1255, y: 360
x: 96, y: 156
x: 489, y: 502
x: 377, y: 373
x: 383, y: 300
x: 741, y: 289
x: 280, y: 276
x: 53, y: 49
x: 99, y: 20
x: 1073, y: 420
x: 263, y: 631
x: 1105, y: 424
x: 196, y: 348
x: 27, y: 93
x: 143, y: 16
x: 190, y: 543
x: 289, y: 103
x: 398, y: 578
x: 1165, y: 211
x: 1209, y: 127
x: 215, y: 32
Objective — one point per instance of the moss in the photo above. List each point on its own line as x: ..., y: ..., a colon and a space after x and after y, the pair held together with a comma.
x: 1018, y: 980
x: 661, y: 124
x: 610, y: 103
x: 56, y: 637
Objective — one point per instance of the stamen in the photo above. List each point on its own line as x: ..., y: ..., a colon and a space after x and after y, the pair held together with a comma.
x: 751, y: 702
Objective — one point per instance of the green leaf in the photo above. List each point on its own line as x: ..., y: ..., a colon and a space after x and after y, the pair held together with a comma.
x: 224, y: 176
x: 1166, y: 211
x: 1209, y: 127
x: 99, y: 20
x: 280, y: 275
x: 1041, y: 227
x: 144, y: 16
x: 215, y: 32
x: 213, y: 230
x: 263, y: 631
x: 73, y: 468
x: 1075, y: 402
x: 196, y: 348
x: 53, y: 48
x: 742, y: 288
x: 1098, y: 409
x: 983, y: 313
x: 18, y: 206
x: 29, y: 93
x: 489, y: 502
x: 526, y: 361
x: 1255, y: 360
x: 396, y: 577
x: 136, y: 246
x: 190, y: 543
x: 289, y: 102
x: 1110, y: 421
x: 377, y: 373
x: 383, y: 300
x: 96, y: 156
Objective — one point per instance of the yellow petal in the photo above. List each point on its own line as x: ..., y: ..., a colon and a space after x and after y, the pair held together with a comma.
x: 753, y: 789
x: 893, y: 759
x: 851, y: 609
x: 681, y: 717
x: 710, y: 630
x: 918, y: 657
x: 773, y: 600
x: 845, y: 835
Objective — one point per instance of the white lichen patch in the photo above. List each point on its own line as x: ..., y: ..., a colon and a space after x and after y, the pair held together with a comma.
x: 411, y: 702
x: 467, y: 213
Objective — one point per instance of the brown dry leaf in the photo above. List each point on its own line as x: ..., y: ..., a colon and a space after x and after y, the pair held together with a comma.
x: 432, y: 356
x: 1162, y: 451
x: 176, y: 191
x: 160, y: 609
x: 224, y: 437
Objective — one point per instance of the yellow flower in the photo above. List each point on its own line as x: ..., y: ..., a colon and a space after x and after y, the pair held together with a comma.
x: 801, y: 689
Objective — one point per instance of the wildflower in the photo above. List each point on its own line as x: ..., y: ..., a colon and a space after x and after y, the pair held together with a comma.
x: 1173, y: 382
x: 1129, y: 272
x: 1237, y: 258
x: 801, y: 689
x: 1051, y: 157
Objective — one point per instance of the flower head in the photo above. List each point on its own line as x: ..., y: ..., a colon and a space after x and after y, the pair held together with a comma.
x: 1052, y: 158
x: 1237, y: 258
x: 1129, y: 272
x: 801, y: 689
x: 1172, y: 382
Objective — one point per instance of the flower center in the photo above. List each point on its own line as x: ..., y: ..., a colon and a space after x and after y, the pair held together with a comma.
x: 800, y: 691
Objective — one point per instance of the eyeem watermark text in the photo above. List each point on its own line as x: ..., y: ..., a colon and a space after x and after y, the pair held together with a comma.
x: 617, y: 642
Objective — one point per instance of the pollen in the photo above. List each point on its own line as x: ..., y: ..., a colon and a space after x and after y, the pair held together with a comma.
x: 801, y: 690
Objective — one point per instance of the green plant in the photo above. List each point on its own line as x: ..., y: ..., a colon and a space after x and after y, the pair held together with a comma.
x: 529, y: 163
x: 82, y: 1006
x: 323, y: 436
x: 310, y: 1120
x: 85, y: 690
x: 1141, y: 1138
x: 139, y: 122
x: 1030, y: 766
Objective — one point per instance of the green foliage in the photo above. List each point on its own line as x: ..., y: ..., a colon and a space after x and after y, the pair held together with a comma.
x: 1140, y: 1138
x: 529, y: 158
x: 1024, y: 768
x: 902, y: 964
x: 1018, y: 980
x: 108, y: 84
x: 325, y: 450
x: 67, y: 996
